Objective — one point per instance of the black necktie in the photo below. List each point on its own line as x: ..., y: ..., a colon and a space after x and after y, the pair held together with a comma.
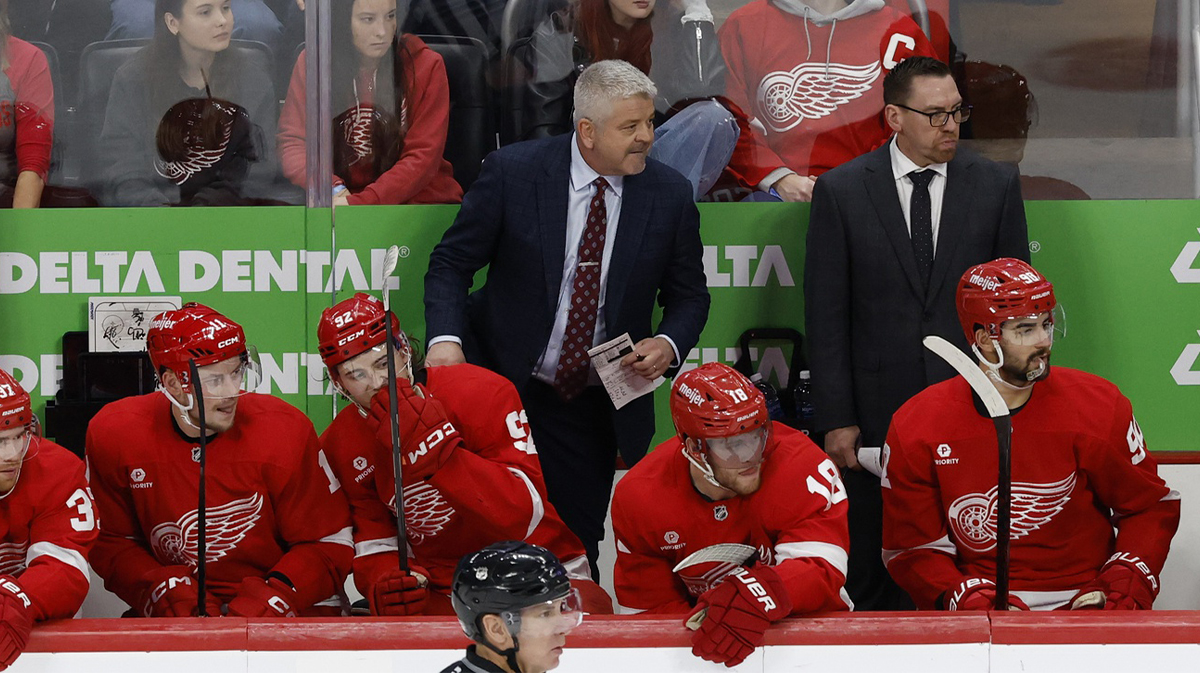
x: 920, y: 216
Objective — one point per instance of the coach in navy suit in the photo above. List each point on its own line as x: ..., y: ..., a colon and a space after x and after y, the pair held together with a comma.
x: 890, y: 234
x: 563, y: 224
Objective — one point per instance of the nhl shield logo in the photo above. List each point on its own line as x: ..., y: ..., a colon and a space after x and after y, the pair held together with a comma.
x: 720, y: 513
x: 195, y: 454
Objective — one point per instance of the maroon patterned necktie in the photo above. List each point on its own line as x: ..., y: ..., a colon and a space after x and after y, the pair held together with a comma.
x: 574, y: 363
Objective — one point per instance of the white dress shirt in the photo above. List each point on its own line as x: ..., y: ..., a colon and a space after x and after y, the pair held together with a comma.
x: 901, y: 167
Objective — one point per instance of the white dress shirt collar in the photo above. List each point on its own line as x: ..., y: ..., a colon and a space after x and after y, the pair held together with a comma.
x: 902, y: 165
x: 583, y: 175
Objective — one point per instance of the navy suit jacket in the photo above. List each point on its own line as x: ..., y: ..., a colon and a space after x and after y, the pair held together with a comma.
x: 514, y: 221
x: 866, y: 310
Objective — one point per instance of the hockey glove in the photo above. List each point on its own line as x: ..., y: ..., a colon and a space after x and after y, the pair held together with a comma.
x: 170, y: 592
x: 397, y: 593
x: 1124, y: 583
x: 977, y: 593
x: 258, y: 597
x: 427, y: 438
x: 739, y: 610
x: 15, y: 621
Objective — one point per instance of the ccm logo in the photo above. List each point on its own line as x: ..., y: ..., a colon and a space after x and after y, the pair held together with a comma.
x: 346, y: 339
x: 755, y: 588
x: 227, y: 342
x: 436, y: 437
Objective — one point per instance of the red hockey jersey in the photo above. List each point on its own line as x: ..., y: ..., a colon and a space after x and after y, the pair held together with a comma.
x: 1079, y: 464
x: 272, y: 502
x: 491, y: 491
x: 47, y: 528
x: 796, y: 520
x: 816, y: 90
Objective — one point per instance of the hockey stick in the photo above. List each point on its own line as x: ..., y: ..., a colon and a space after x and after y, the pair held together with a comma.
x: 389, y: 265
x: 997, y: 408
x: 724, y: 552
x: 201, y: 514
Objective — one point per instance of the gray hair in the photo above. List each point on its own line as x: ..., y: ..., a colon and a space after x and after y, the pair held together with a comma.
x: 605, y: 82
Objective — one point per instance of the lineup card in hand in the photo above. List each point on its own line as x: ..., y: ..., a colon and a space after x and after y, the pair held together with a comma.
x: 622, y: 383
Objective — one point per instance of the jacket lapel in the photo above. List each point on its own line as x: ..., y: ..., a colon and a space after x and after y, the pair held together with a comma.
x: 882, y: 190
x: 552, y: 200
x: 631, y: 229
x: 960, y: 184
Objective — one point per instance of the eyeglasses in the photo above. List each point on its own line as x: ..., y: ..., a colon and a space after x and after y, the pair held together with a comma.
x: 938, y: 119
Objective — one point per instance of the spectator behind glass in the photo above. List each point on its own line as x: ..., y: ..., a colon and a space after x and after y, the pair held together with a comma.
x: 391, y: 104
x: 811, y: 74
x: 136, y: 19
x: 26, y: 119
x: 672, y: 41
x: 224, y: 159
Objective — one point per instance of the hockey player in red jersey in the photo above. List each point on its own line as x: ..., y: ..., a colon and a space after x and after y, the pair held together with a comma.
x: 277, y: 524
x: 1079, y: 467
x: 810, y: 74
x: 47, y: 525
x: 470, y: 471
x: 731, y: 480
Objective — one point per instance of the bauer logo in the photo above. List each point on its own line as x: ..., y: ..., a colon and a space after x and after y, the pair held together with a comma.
x: 747, y: 266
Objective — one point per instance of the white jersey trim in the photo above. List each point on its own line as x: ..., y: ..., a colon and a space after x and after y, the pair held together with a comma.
x: 622, y: 610
x: 835, y: 555
x: 368, y: 547
x: 578, y: 568
x: 342, y: 537
x: 67, y: 556
x: 1045, y: 600
x: 942, y: 544
x: 1173, y: 495
x: 539, y: 508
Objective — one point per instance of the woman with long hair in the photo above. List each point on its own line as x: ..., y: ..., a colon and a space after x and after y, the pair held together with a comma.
x: 391, y: 106
x: 26, y: 119
x: 187, y: 116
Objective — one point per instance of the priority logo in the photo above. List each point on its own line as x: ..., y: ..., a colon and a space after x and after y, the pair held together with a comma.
x: 671, y: 537
x: 360, y: 463
x: 943, y: 452
x: 137, y: 474
x: 137, y: 479
x: 720, y: 513
x: 672, y: 541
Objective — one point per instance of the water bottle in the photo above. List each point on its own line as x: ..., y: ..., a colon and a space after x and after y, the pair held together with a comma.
x: 802, y: 394
x: 774, y: 408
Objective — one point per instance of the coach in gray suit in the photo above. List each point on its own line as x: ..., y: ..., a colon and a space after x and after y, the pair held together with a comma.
x: 890, y: 234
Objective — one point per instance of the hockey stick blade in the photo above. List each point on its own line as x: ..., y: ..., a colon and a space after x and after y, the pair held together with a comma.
x: 998, y: 409
x: 389, y: 266
x: 730, y: 552
x: 201, y: 513
x: 969, y: 370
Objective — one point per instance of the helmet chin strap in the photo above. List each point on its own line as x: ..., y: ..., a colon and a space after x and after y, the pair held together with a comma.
x: 191, y: 403
x: 993, y: 369
x: 702, y: 465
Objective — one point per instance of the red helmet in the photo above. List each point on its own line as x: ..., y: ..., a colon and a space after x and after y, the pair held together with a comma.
x: 1000, y: 290
x: 354, y: 326
x: 714, y: 400
x: 194, y: 332
x: 15, y: 409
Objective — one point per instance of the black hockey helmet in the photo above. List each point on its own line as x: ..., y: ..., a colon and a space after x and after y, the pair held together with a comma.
x: 504, y: 578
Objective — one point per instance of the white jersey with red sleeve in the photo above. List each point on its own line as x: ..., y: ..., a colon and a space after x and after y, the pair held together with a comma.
x: 815, y: 90
x: 273, y: 506
x: 1079, y: 464
x: 491, y: 488
x: 47, y: 529
x: 796, y: 520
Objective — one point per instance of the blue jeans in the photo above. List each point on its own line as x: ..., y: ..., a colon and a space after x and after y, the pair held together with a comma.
x: 698, y: 142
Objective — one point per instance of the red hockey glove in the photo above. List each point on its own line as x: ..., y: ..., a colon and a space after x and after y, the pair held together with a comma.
x: 427, y: 438
x: 15, y: 622
x: 977, y: 593
x: 171, y: 592
x: 257, y: 597
x: 1124, y: 583
x: 397, y: 593
x: 739, y: 610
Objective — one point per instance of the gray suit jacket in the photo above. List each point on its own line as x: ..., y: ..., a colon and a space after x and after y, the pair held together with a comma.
x: 866, y: 309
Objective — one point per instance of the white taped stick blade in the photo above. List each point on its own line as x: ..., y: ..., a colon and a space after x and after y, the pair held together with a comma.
x: 969, y: 370
x: 725, y: 552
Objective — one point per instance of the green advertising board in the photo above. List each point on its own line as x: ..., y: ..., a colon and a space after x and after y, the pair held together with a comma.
x: 1127, y: 273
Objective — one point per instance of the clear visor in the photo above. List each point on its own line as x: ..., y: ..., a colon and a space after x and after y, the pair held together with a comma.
x: 550, y: 618
x: 368, y: 369
x: 228, y: 379
x: 1035, y: 330
x: 19, y: 446
x: 738, y: 451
